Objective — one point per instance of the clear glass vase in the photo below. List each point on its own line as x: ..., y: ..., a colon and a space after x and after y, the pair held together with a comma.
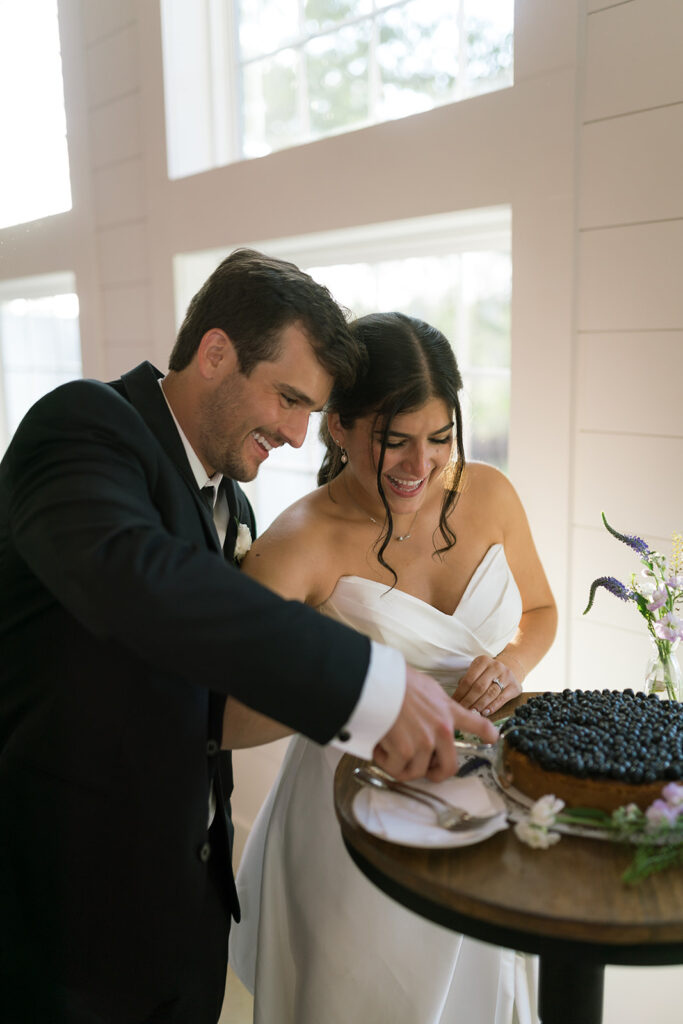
x: 663, y: 675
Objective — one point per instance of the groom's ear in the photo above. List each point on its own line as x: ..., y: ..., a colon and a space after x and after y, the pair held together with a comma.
x: 216, y: 355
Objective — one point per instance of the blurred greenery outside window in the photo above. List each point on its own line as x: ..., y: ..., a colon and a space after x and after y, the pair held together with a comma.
x: 40, y: 345
x: 304, y: 69
x: 453, y: 271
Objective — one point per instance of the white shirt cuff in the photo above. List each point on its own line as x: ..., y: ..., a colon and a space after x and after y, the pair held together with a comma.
x: 379, y: 703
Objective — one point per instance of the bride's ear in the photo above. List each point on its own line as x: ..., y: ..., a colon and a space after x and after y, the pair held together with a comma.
x: 337, y: 432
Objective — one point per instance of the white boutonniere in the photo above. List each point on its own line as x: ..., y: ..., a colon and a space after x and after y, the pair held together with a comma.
x: 242, y: 543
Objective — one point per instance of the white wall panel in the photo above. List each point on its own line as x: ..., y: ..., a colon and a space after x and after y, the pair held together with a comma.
x: 125, y: 314
x: 635, y: 480
x: 608, y: 658
x: 113, y: 66
x: 632, y: 168
x: 630, y: 277
x: 102, y: 17
x: 120, y: 358
x: 123, y: 254
x: 637, y: 994
x: 543, y: 44
x: 115, y: 131
x: 633, y: 58
x: 601, y: 5
x: 631, y: 382
x: 119, y: 192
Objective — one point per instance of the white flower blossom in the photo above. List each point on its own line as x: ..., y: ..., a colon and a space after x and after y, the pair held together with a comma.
x: 243, y: 542
x: 545, y: 810
x: 646, y: 585
x: 535, y: 836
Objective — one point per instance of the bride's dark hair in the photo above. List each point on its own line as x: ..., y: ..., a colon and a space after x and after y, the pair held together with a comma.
x: 408, y: 363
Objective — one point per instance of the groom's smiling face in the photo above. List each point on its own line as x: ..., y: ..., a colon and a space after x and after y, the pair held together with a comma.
x: 241, y: 418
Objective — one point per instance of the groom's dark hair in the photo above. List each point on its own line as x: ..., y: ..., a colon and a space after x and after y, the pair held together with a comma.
x: 253, y: 298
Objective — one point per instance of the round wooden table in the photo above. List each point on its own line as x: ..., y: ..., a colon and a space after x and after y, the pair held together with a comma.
x: 567, y: 904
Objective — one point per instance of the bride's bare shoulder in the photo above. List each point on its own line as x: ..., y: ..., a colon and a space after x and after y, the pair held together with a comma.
x: 482, y: 481
x: 292, y: 556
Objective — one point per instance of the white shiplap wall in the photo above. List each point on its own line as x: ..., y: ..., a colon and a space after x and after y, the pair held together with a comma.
x: 629, y: 385
x: 117, y: 172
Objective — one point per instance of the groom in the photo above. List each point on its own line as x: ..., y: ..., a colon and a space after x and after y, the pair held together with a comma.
x: 124, y: 625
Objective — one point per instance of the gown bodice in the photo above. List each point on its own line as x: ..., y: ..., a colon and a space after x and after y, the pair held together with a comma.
x: 485, y: 620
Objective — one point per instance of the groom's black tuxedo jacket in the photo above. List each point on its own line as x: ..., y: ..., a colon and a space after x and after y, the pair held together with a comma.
x: 122, y: 630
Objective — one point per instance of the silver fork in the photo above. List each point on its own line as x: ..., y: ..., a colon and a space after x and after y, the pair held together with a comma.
x: 451, y: 817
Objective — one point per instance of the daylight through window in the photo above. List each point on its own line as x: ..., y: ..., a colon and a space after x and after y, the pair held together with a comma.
x: 34, y: 170
x: 40, y: 344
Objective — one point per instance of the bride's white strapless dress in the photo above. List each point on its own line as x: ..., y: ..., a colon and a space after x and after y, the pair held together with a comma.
x: 318, y: 943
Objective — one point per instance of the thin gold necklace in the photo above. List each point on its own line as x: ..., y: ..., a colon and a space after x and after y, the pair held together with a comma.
x: 398, y: 537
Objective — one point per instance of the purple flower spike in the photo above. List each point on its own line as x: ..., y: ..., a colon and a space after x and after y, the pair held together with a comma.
x: 633, y: 542
x: 614, y: 587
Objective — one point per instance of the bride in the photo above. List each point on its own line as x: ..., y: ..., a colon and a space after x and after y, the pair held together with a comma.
x: 413, y: 547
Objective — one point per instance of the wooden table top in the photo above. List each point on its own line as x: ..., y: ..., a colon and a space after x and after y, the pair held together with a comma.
x: 534, y: 900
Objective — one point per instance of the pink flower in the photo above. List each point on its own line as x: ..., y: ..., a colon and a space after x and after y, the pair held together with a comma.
x: 673, y: 794
x: 659, y: 598
x: 669, y: 627
x: 660, y: 813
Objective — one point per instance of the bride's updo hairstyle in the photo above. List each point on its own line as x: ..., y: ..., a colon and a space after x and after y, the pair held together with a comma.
x: 409, y: 362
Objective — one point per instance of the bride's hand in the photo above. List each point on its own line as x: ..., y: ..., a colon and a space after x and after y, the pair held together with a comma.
x: 487, y: 685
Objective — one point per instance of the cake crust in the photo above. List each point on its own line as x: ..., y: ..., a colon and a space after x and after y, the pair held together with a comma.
x: 533, y: 781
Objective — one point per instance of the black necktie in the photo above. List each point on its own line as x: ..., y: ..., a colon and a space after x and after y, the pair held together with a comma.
x: 208, y: 497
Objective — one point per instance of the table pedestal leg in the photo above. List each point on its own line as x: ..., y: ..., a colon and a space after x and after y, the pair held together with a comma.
x: 570, y: 991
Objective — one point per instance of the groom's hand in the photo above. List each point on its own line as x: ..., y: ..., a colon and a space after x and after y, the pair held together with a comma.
x: 420, y: 742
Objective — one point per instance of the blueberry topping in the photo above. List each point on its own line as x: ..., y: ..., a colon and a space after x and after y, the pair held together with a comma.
x: 601, y: 733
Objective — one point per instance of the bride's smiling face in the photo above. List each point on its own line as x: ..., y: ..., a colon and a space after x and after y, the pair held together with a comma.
x: 418, y: 449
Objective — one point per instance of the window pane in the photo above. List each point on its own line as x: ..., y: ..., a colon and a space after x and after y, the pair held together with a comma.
x: 337, y: 74
x: 418, y: 57
x: 39, y: 349
x: 266, y: 25
x: 488, y: 28
x: 270, y: 104
x: 34, y: 169
x: 323, y: 14
x: 290, y: 71
x: 486, y: 293
x: 489, y: 398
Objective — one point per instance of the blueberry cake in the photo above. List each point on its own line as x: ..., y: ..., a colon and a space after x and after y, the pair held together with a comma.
x: 599, y: 748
